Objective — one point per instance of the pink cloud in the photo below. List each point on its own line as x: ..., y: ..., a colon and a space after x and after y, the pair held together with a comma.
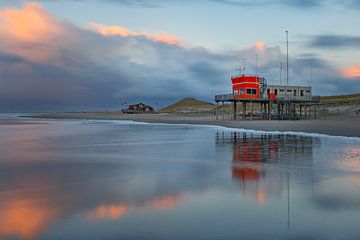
x: 116, y: 30
x: 27, y: 31
x: 352, y: 72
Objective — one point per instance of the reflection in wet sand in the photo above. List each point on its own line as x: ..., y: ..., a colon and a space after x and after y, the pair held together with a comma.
x: 117, y: 211
x: 25, y: 218
x: 73, y: 180
x: 251, y: 152
x: 110, y: 211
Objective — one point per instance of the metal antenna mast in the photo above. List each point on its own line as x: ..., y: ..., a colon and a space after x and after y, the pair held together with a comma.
x: 311, y: 73
x: 287, y: 57
x: 244, y: 63
x: 281, y: 69
x: 256, y: 69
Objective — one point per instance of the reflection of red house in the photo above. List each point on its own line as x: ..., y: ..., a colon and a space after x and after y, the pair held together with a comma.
x: 252, y: 151
x: 246, y: 152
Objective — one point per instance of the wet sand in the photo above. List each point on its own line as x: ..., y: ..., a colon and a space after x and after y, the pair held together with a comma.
x: 335, y: 125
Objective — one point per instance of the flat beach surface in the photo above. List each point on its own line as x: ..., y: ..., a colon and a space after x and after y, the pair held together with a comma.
x: 333, y: 125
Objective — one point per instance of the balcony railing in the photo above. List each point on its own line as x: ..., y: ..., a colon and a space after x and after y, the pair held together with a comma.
x: 230, y: 97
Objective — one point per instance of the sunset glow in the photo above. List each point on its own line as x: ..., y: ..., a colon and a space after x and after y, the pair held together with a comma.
x: 116, y: 30
x: 353, y: 72
x: 24, y: 218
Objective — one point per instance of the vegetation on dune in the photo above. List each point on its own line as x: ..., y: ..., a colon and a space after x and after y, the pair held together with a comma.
x: 189, y: 105
x: 350, y: 99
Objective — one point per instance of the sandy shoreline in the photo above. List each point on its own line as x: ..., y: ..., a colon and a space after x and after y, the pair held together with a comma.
x: 337, y: 126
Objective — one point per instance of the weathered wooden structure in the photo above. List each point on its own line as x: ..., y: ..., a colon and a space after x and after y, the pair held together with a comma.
x: 138, y: 108
x: 276, y: 101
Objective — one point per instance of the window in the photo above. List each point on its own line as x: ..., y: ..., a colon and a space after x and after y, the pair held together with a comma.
x: 241, y: 91
x: 289, y: 90
x: 268, y: 91
x: 302, y: 93
x: 294, y: 93
x: 275, y: 91
x: 282, y: 90
x: 308, y: 91
x: 250, y: 91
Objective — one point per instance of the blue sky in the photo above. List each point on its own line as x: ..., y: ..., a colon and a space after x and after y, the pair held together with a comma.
x: 209, y: 38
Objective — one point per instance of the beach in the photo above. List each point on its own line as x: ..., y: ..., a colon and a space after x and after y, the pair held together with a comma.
x: 331, y: 125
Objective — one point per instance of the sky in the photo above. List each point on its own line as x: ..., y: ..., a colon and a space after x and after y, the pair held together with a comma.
x: 60, y: 55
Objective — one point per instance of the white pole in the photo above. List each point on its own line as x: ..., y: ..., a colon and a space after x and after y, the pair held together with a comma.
x: 281, y: 72
x: 287, y: 58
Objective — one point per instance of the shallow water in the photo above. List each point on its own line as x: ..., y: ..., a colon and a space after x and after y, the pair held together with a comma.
x: 122, y: 180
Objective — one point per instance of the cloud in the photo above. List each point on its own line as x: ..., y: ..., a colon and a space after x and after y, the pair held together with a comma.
x: 116, y: 30
x: 239, y: 3
x: 334, y: 41
x: 55, y: 65
x: 353, y: 72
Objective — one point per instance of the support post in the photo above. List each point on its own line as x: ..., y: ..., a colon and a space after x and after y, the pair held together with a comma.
x: 244, y: 110
x: 251, y: 110
x: 278, y: 111
x: 269, y: 111
x: 294, y: 113
x: 315, y: 111
x: 223, y: 111
x: 234, y: 110
x: 300, y: 111
x: 217, y: 111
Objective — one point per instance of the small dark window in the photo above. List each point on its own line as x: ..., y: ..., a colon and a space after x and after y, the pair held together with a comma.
x: 294, y: 93
x: 302, y: 93
x: 289, y: 90
x: 251, y: 91
x: 275, y: 91
x: 282, y: 90
x: 268, y: 91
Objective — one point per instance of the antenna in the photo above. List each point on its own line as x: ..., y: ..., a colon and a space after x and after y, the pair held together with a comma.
x: 287, y: 57
x: 256, y: 69
x: 311, y: 73
x: 281, y: 68
x: 240, y: 69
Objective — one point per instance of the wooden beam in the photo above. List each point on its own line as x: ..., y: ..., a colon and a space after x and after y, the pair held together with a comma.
x: 234, y: 110
x: 244, y: 110
x: 217, y: 111
x: 251, y: 110
x: 223, y: 111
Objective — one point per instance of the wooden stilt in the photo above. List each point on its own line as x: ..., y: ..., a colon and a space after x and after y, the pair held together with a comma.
x: 234, y: 110
x: 278, y: 110
x: 244, y: 110
x: 251, y: 110
x: 217, y: 111
x: 223, y: 117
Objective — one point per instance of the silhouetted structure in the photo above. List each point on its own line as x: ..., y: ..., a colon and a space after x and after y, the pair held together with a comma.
x: 138, y: 108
